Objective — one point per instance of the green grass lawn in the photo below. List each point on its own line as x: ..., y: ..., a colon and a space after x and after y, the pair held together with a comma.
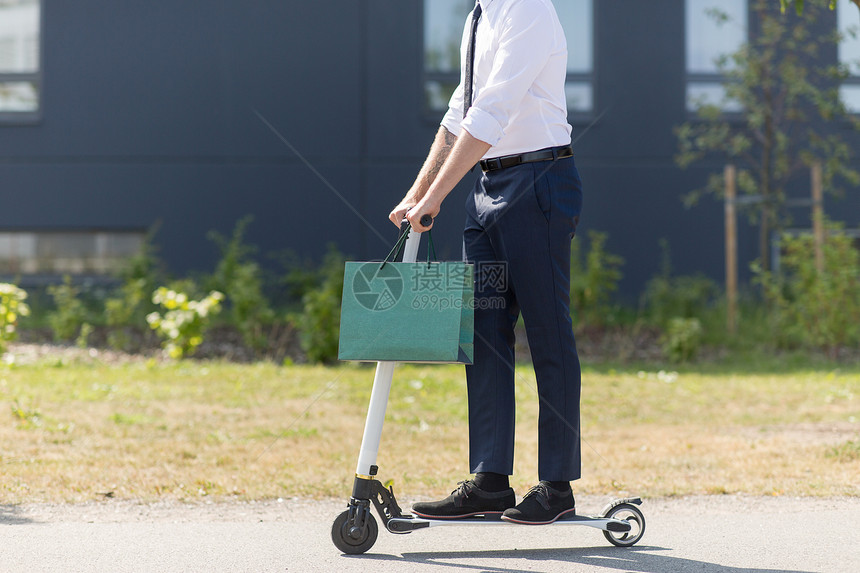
x: 82, y: 430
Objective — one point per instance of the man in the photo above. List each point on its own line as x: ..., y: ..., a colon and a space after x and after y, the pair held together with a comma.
x: 521, y: 215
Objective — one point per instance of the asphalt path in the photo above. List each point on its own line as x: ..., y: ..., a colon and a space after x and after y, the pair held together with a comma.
x: 713, y: 534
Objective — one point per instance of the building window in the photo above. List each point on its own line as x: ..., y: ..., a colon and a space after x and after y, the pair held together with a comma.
x: 443, y: 32
x: 444, y: 21
x: 849, y: 53
x: 96, y: 252
x: 20, y: 59
x: 715, y: 29
x: 577, y: 19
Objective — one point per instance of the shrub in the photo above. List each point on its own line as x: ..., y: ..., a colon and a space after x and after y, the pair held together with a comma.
x: 301, y: 277
x: 811, y: 308
x: 121, y: 311
x: 184, y: 322
x: 666, y: 297
x: 12, y: 308
x: 319, y: 321
x: 682, y: 339
x: 685, y: 296
x: 593, y: 280
x: 131, y: 301
x: 688, y: 296
x: 69, y: 314
x: 145, y: 264
x: 239, y: 278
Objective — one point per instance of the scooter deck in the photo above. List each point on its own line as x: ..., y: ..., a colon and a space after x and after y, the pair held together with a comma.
x: 405, y: 524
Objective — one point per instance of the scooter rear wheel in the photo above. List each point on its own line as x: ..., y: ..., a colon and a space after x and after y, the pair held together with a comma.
x: 351, y: 539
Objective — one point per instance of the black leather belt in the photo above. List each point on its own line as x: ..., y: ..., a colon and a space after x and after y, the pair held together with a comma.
x: 513, y: 160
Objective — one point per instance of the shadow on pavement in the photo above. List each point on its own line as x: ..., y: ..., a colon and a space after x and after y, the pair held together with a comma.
x: 637, y: 559
x: 11, y: 515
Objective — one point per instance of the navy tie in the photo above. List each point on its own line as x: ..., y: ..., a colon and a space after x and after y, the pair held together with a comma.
x: 470, y: 61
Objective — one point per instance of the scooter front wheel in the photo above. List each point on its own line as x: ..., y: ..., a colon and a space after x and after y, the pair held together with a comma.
x: 631, y: 514
x: 350, y: 538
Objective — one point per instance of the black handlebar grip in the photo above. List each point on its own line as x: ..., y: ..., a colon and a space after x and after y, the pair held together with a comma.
x: 426, y: 220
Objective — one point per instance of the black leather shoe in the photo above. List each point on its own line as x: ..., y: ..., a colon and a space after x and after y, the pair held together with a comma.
x: 467, y: 500
x: 542, y: 505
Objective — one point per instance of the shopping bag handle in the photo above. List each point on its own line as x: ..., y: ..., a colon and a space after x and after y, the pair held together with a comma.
x: 398, y: 246
x: 430, y: 246
x: 405, y: 226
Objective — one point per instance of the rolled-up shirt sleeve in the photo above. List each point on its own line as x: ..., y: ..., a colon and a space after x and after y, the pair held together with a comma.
x: 525, y: 44
x: 453, y: 118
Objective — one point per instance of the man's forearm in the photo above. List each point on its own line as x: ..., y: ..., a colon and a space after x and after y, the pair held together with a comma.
x: 439, y: 152
x: 445, y: 167
x: 466, y: 152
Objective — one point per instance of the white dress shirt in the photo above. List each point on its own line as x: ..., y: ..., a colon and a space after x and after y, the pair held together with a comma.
x: 519, y: 103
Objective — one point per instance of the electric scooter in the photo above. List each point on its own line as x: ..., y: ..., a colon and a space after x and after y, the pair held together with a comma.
x: 355, y: 530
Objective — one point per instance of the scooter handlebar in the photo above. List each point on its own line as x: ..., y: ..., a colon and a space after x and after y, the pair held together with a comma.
x: 426, y: 221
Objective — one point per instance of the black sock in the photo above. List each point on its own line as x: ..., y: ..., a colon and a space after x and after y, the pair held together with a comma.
x: 559, y: 485
x: 488, y: 481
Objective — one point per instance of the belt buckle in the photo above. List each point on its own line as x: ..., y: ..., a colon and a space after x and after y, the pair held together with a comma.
x: 493, y: 164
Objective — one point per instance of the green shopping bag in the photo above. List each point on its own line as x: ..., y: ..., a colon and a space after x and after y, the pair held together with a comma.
x: 407, y: 312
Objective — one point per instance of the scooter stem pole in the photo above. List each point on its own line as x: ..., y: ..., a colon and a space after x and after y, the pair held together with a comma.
x: 381, y: 389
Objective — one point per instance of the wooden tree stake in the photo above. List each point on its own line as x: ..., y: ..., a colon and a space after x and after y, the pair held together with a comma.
x: 818, y: 214
x: 730, y: 175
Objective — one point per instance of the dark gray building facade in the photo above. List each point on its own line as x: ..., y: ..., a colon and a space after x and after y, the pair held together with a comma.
x: 314, y: 117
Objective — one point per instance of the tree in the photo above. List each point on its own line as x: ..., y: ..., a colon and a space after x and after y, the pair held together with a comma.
x: 798, y: 5
x: 789, y: 100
